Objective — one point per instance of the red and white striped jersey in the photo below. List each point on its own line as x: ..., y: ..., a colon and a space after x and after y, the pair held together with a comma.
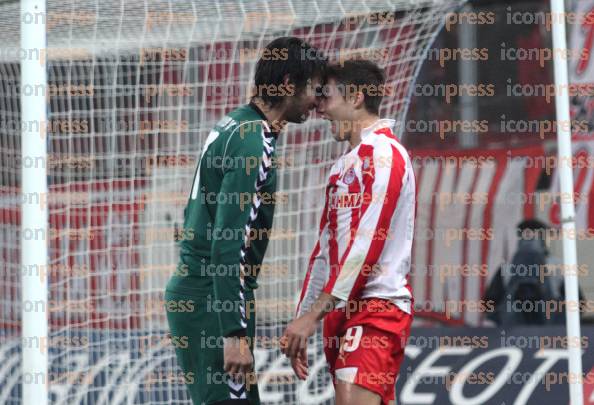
x: 366, y: 230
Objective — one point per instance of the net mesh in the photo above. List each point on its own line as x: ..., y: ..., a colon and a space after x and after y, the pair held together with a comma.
x: 133, y: 90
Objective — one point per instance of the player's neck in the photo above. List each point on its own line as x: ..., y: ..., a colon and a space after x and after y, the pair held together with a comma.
x: 273, y: 115
x: 359, y: 127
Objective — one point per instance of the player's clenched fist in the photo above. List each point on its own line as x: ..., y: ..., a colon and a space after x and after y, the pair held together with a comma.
x: 297, y: 333
x: 238, y: 360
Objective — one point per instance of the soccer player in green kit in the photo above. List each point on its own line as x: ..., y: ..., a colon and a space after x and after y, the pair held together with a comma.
x: 210, y: 299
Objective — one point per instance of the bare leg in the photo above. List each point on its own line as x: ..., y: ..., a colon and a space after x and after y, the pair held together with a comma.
x: 351, y: 394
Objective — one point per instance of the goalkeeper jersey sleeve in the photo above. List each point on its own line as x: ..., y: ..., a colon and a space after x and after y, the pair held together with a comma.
x: 228, y: 217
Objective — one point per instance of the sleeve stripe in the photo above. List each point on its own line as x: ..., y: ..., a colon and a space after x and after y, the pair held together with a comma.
x: 332, y: 242
x: 315, y: 252
x: 260, y: 180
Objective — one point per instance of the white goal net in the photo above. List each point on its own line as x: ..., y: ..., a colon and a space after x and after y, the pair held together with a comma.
x: 133, y: 89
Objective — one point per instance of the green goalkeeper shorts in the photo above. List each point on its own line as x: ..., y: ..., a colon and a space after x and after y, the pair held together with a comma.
x: 195, y: 334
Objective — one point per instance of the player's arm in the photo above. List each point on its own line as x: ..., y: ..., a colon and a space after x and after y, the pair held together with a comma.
x: 295, y: 337
x: 232, y: 215
x: 317, y: 272
x: 315, y: 280
x: 304, y: 326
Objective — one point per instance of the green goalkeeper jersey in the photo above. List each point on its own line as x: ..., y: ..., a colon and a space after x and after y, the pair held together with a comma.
x: 228, y: 217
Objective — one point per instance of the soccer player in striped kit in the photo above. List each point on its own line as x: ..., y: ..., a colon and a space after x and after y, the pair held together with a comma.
x: 210, y: 299
x: 357, y: 280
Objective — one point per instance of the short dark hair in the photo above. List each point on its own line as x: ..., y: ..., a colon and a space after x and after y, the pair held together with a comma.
x: 361, y: 74
x: 295, y: 60
x: 532, y: 229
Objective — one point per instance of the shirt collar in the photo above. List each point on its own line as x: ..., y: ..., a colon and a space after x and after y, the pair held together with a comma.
x: 261, y: 114
x: 257, y: 110
x: 379, y: 124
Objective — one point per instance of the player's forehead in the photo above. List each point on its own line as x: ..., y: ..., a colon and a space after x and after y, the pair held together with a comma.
x: 315, y: 81
x: 331, y: 86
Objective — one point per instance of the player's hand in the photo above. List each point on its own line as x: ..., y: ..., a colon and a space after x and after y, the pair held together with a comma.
x: 295, y: 337
x: 238, y: 360
x: 299, y: 364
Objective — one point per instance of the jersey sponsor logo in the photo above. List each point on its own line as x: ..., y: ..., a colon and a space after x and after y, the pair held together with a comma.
x: 348, y: 200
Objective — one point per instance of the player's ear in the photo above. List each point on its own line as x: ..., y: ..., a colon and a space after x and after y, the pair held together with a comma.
x: 358, y: 100
x: 253, y: 91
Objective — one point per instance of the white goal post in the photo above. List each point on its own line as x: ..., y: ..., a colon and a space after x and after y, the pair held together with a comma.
x: 576, y: 390
x: 133, y: 88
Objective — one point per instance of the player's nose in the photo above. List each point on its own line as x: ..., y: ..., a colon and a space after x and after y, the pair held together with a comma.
x: 315, y: 103
x: 320, y: 106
